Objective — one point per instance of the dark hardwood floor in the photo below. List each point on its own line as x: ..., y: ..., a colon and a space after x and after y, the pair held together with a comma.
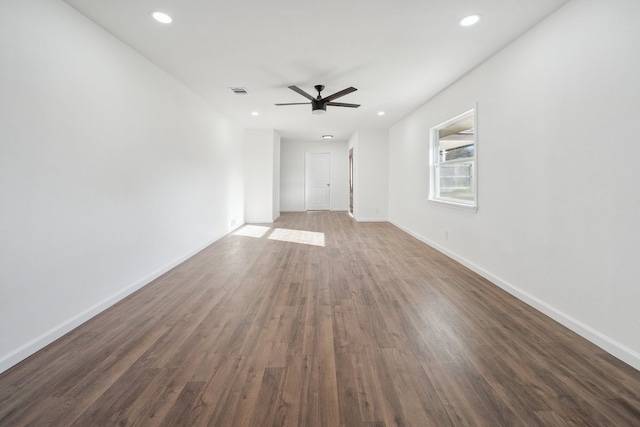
x: 373, y: 329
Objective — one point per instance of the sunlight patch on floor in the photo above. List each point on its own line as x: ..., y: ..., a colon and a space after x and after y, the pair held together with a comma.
x: 282, y: 234
x: 252, y: 231
x: 298, y: 236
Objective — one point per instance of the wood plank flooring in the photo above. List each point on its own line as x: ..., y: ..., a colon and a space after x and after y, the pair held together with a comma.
x: 373, y: 329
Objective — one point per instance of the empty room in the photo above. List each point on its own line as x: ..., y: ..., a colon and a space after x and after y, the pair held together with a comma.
x: 286, y: 213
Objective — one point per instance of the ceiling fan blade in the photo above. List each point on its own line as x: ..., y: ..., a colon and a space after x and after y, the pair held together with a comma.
x: 341, y: 93
x: 301, y: 92
x: 342, y: 104
x: 294, y: 103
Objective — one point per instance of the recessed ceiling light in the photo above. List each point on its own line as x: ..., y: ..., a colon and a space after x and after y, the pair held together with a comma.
x: 381, y: 113
x: 161, y: 17
x: 469, y: 20
x: 255, y: 113
x: 327, y: 136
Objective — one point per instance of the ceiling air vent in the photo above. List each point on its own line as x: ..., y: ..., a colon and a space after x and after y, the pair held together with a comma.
x: 239, y: 90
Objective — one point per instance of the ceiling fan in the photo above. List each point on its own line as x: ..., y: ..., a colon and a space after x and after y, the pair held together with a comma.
x: 319, y: 104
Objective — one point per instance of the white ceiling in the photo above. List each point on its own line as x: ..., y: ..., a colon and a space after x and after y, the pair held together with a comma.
x: 397, y: 53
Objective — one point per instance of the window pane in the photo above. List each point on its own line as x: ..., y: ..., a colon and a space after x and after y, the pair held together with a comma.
x: 464, y: 152
x: 456, y: 181
x: 453, y: 162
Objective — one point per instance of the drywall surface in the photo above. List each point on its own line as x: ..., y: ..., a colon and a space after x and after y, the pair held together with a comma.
x: 111, y: 172
x: 372, y: 159
x: 292, y: 164
x: 557, y: 223
x: 276, y: 176
x: 353, y: 146
x: 259, y: 151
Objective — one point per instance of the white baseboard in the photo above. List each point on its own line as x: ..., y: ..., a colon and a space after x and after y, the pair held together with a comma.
x: 302, y: 211
x: 38, y: 343
x: 371, y: 219
x: 606, y: 343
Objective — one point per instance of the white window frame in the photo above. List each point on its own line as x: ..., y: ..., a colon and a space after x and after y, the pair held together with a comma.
x: 435, y: 162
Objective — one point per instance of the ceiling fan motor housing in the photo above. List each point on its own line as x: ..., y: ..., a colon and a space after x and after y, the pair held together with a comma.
x: 318, y: 106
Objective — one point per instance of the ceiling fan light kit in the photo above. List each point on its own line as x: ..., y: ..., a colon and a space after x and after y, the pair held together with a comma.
x: 318, y: 107
x: 319, y: 104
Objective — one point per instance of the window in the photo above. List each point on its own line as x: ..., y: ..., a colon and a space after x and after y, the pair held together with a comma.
x: 453, y: 167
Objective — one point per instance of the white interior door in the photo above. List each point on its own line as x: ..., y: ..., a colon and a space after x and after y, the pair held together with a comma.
x: 317, y: 188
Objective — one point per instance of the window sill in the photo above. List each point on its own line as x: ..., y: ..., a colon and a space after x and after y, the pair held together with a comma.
x: 456, y: 205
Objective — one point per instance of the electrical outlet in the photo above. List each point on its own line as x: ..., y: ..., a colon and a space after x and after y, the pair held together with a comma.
x: 446, y: 234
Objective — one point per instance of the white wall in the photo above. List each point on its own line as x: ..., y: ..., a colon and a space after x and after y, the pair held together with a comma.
x: 371, y: 174
x: 276, y: 175
x: 557, y: 223
x: 352, y: 144
x: 292, y: 159
x: 260, y: 148
x: 111, y: 172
